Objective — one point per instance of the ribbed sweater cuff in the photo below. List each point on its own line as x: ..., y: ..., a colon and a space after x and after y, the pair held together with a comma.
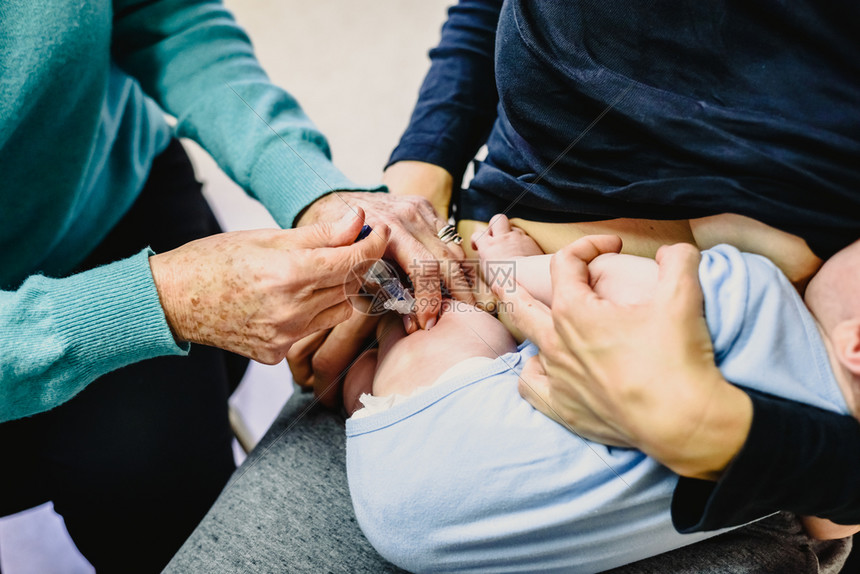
x: 288, y: 179
x: 111, y: 316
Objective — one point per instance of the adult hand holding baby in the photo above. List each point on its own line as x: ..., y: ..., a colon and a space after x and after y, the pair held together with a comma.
x: 257, y: 292
x: 633, y: 375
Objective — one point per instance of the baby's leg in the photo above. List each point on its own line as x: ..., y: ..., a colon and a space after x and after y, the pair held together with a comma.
x: 623, y: 279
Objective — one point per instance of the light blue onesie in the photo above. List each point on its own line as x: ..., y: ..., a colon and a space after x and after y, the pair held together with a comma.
x: 468, y: 477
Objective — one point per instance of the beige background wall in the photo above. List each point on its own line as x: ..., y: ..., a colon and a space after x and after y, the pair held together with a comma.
x: 355, y: 66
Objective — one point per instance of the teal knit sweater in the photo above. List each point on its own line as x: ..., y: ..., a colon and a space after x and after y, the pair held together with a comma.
x: 79, y: 128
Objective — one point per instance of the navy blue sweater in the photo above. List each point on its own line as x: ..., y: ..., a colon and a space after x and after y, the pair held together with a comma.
x: 600, y: 109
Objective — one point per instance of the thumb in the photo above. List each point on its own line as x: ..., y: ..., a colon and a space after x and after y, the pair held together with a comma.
x: 678, y: 278
x: 331, y: 233
x: 353, y: 259
x: 569, y: 267
x: 371, y: 247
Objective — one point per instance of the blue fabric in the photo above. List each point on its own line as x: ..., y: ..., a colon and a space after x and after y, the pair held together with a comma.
x: 131, y: 131
x: 457, y: 102
x: 468, y: 477
x: 78, y: 134
x: 764, y: 337
x: 750, y: 108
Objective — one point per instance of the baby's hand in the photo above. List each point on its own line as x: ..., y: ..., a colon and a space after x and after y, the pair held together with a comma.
x: 501, y: 242
x: 497, y: 247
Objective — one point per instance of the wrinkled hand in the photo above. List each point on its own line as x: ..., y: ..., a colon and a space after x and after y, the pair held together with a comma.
x: 322, y: 360
x: 635, y: 375
x: 413, y: 243
x: 415, y: 210
x: 257, y: 292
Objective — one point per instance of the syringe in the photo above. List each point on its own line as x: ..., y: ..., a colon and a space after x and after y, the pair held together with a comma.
x: 386, y: 285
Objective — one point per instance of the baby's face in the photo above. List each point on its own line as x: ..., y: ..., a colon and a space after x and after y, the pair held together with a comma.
x: 462, y: 332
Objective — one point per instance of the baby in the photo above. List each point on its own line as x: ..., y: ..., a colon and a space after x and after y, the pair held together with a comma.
x: 450, y: 469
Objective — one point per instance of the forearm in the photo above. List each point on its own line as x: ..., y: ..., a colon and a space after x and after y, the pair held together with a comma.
x: 431, y: 182
x: 199, y: 65
x: 457, y: 103
x: 58, y: 335
x: 795, y: 457
x: 710, y: 437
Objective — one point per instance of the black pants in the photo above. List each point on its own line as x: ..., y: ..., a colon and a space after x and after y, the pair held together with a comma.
x: 134, y: 461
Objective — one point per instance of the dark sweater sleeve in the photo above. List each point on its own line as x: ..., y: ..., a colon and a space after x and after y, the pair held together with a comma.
x: 457, y: 103
x: 796, y: 458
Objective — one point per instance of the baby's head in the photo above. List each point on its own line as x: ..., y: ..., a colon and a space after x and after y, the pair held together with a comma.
x: 462, y: 331
x: 402, y: 363
x: 833, y: 297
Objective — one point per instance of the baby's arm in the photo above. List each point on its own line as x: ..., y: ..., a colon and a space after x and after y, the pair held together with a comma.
x: 510, y: 257
x: 623, y: 279
x: 620, y: 278
x: 789, y: 252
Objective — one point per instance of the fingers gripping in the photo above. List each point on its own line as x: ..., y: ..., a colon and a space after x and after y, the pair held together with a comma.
x: 300, y: 357
x: 330, y: 233
x: 528, y: 314
x: 424, y: 271
x: 678, y: 277
x: 574, y: 300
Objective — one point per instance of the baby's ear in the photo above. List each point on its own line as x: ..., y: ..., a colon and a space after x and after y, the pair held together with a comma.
x: 846, y: 343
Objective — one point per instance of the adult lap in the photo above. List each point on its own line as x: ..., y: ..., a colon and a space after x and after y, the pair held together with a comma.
x: 287, y: 508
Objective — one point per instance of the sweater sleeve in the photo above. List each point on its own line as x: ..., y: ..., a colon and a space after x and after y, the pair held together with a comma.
x: 58, y: 335
x: 457, y: 103
x: 195, y: 61
x: 796, y: 457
